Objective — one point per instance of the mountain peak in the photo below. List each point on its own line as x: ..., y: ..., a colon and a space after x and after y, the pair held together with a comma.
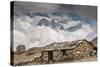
x: 55, y: 24
x: 55, y: 20
x: 44, y: 22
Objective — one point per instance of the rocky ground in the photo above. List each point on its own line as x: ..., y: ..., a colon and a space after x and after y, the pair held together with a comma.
x: 29, y: 60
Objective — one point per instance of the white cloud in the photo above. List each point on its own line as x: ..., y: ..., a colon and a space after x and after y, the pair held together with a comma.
x: 39, y: 36
x: 19, y: 38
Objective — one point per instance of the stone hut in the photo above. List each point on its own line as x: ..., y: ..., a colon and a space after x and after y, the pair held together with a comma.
x: 67, y: 51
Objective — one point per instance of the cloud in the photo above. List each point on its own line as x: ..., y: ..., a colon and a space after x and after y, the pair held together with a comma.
x: 30, y: 8
x: 19, y: 38
x: 43, y: 9
x: 82, y: 10
x: 39, y: 36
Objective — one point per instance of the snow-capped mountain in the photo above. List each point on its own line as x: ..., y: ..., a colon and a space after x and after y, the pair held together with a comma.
x: 54, y: 23
x: 43, y: 22
x: 74, y: 28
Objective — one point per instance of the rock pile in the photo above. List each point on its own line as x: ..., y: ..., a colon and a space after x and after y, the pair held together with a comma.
x: 20, y: 49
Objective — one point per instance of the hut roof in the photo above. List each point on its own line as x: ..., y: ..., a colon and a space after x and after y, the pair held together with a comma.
x: 62, y: 45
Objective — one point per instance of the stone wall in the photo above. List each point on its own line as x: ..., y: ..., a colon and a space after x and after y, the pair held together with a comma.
x: 83, y: 51
x: 57, y: 55
x: 44, y: 57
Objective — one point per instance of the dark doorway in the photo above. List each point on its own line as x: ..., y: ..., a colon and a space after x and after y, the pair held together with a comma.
x: 50, y: 56
x: 64, y: 52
